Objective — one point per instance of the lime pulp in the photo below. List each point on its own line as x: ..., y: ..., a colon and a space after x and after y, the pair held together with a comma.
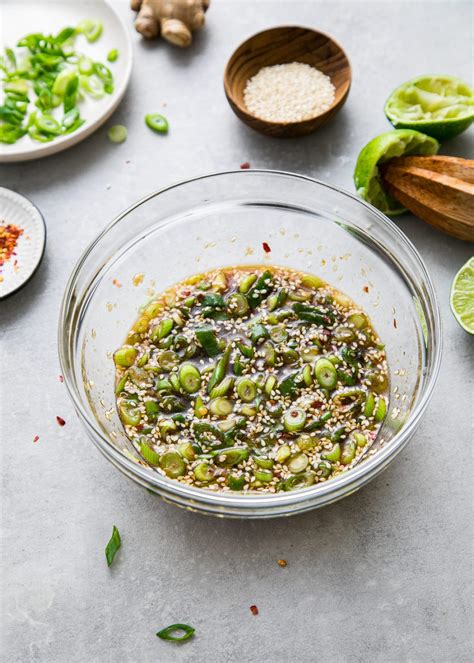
x: 397, y: 143
x: 440, y: 106
x: 462, y: 296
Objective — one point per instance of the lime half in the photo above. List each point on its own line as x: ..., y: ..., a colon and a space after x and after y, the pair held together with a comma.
x: 401, y: 142
x: 462, y: 296
x: 440, y: 106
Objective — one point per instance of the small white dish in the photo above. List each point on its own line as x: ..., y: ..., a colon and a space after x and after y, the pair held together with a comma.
x: 22, y: 18
x: 17, y: 210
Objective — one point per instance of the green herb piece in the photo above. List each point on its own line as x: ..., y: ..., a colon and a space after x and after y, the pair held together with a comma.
x: 112, y: 546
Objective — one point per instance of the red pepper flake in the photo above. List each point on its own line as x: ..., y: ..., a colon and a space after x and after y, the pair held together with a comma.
x: 61, y: 379
x: 366, y: 288
x: 266, y: 247
x: 245, y: 165
x: 9, y: 235
x: 282, y: 563
x: 254, y: 610
x: 395, y: 322
x: 35, y: 439
x: 116, y: 283
x: 60, y: 421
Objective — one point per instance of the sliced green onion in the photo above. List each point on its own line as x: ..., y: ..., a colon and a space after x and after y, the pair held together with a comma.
x: 236, y: 482
x: 334, y: 455
x: 112, y: 546
x: 325, y: 373
x: 189, y: 378
x: 381, y: 410
x: 247, y: 282
x: 149, y: 454
x: 48, y: 124
x: 204, y: 472
x: 70, y: 118
x: 208, y: 341
x: 85, y: 65
x: 246, y: 389
x: 172, y: 464
x: 237, y: 305
x: 294, y: 419
x: 92, y: 85
x: 221, y: 407
x: 157, y: 122
x: 167, y: 633
x: 112, y: 55
x: 125, y: 356
x: 298, y: 463
x: 117, y: 133
x: 91, y: 28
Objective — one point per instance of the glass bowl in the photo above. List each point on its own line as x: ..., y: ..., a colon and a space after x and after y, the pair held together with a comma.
x: 222, y: 220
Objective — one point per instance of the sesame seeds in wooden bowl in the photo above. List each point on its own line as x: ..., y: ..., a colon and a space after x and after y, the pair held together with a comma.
x: 308, y: 98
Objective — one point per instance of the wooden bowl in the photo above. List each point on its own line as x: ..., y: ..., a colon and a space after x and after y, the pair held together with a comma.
x: 281, y: 46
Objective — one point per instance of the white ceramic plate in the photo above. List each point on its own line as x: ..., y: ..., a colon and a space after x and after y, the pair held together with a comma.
x: 21, y: 17
x: 19, y: 268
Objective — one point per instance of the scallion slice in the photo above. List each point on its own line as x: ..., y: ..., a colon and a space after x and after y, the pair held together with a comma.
x: 157, y: 122
x: 113, y: 546
x: 117, y: 133
x: 168, y: 632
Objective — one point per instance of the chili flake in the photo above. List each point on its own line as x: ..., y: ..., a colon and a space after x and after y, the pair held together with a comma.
x: 366, y: 288
x: 60, y: 421
x: 254, y: 610
x: 282, y: 562
x: 116, y: 283
x: 61, y: 379
x: 9, y: 235
x: 395, y: 322
x: 245, y: 165
x: 36, y: 438
x: 266, y: 247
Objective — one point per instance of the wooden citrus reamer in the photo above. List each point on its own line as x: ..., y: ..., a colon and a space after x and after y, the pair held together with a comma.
x: 437, y: 189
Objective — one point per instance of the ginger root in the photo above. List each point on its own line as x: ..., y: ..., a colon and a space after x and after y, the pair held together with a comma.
x: 175, y: 20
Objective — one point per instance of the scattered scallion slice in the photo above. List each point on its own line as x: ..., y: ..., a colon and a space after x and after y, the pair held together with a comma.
x: 91, y: 28
x: 157, y: 122
x: 112, y: 55
x: 117, y: 133
x: 168, y: 632
x: 113, y: 546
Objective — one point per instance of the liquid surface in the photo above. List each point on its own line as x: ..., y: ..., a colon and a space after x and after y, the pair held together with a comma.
x: 252, y: 379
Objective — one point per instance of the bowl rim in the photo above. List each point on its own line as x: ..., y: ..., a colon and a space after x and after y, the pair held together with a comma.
x: 371, y: 466
x: 336, y: 105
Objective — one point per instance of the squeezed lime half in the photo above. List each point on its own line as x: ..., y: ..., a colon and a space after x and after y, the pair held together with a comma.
x: 462, y: 296
x: 440, y: 106
x: 397, y: 143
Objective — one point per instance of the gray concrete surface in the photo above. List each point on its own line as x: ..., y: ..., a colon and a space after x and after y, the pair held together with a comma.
x: 383, y: 576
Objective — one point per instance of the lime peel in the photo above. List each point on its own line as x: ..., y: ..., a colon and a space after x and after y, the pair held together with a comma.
x: 396, y: 143
x: 441, y: 106
x: 462, y: 296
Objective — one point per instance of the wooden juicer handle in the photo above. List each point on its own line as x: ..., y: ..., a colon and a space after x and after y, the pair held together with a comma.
x: 437, y: 189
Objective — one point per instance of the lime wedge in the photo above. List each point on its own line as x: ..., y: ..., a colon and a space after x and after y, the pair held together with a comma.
x: 401, y: 142
x: 440, y: 106
x: 462, y: 296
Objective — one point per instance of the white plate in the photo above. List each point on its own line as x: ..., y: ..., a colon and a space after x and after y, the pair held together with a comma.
x: 19, y: 211
x: 21, y: 17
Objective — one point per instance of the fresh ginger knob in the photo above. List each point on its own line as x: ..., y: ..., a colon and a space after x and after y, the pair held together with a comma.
x: 174, y: 19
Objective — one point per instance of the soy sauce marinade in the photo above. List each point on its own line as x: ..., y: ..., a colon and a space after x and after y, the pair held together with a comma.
x: 252, y: 379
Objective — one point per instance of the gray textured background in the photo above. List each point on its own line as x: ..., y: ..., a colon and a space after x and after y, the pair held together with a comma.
x: 382, y: 576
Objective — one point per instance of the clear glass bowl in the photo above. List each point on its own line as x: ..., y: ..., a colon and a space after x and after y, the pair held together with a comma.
x: 220, y: 220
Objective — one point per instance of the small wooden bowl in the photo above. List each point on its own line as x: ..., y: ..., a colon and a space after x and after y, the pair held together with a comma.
x: 281, y: 46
